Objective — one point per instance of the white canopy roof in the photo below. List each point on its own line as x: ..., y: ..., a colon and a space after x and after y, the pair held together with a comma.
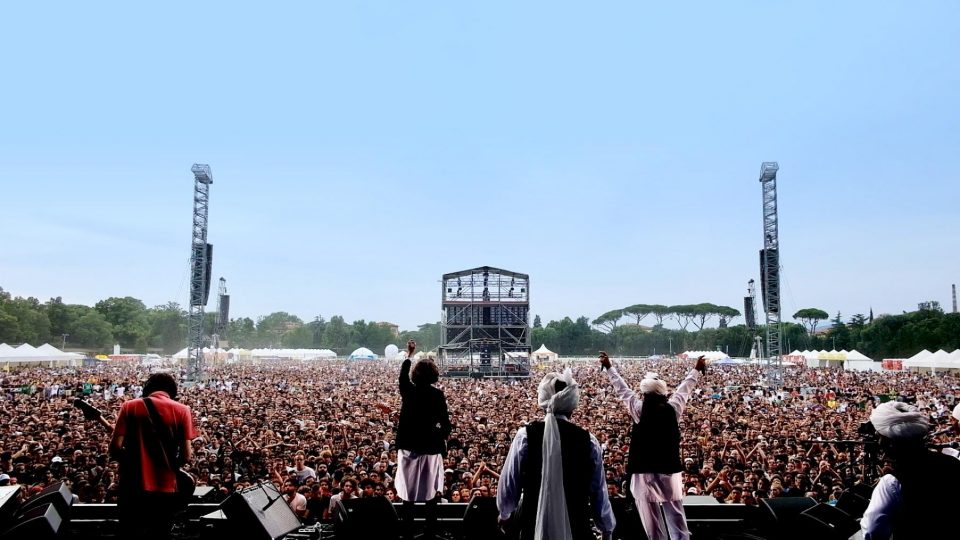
x: 938, y: 360
x: 27, y: 353
x: 362, y: 353
x: 544, y: 353
x: 710, y: 355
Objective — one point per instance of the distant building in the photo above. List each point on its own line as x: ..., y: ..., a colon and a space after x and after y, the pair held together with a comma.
x: 394, y: 328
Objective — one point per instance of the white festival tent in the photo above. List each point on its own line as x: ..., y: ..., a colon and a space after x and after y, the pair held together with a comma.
x: 711, y: 356
x: 362, y: 353
x: 938, y: 361
x: 46, y: 354
x: 543, y: 354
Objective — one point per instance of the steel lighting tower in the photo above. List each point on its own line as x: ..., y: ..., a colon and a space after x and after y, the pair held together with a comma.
x: 770, y: 270
x: 200, y: 261
x: 485, y: 328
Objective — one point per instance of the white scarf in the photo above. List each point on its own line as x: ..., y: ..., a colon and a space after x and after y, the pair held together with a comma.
x: 553, y: 523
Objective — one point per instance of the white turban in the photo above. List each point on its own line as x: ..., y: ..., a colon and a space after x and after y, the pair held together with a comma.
x: 553, y: 523
x: 652, y: 384
x: 956, y: 412
x: 563, y: 402
x: 897, y: 420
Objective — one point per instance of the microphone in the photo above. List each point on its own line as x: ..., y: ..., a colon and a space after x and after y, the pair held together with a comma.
x: 272, y: 501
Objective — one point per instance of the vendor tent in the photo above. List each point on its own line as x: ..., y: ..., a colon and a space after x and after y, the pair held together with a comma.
x: 543, y: 354
x: 362, y: 353
x: 711, y: 356
x: 45, y: 355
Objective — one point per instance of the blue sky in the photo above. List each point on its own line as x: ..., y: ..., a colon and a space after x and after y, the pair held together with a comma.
x: 361, y: 150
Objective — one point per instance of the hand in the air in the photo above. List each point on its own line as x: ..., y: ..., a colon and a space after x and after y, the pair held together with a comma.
x: 701, y: 364
x: 604, y: 360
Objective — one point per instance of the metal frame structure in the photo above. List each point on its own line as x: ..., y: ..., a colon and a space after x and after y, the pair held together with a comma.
x: 199, y: 276
x: 771, y: 271
x: 485, y: 324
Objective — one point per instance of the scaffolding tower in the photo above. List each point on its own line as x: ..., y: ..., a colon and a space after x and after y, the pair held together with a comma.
x: 770, y: 272
x: 201, y: 259
x: 485, y: 327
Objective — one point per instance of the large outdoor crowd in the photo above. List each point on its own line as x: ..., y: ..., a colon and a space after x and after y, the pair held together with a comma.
x: 324, y: 430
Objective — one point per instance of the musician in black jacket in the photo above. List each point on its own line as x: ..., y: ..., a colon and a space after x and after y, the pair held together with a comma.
x: 421, y: 440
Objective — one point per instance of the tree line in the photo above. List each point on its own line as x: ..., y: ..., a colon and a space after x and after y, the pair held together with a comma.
x: 136, y: 327
x: 127, y: 321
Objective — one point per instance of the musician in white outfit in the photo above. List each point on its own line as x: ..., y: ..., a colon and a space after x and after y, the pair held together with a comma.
x: 654, y: 459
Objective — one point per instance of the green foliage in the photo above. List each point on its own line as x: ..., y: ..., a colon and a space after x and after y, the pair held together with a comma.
x: 810, y: 317
x: 128, y: 317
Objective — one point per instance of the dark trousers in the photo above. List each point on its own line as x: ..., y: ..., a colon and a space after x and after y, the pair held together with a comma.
x: 146, y: 515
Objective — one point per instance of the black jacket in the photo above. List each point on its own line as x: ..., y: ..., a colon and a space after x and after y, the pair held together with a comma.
x: 424, y: 421
x: 575, y: 453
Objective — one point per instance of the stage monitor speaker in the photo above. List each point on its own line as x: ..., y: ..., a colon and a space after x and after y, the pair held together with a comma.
x: 259, y: 512
x: 42, y: 522
x: 826, y: 522
x: 629, y: 526
x: 366, y: 519
x: 203, y: 493
x: 853, y: 503
x: 480, y: 519
x: 779, y: 516
x: 57, y: 494
x: 9, y: 503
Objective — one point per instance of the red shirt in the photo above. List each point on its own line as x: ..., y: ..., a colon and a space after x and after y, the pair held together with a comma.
x: 133, y: 423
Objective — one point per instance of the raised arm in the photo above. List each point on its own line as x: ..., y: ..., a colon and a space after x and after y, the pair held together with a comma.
x: 405, y: 385
x: 679, y: 398
x: 630, y: 399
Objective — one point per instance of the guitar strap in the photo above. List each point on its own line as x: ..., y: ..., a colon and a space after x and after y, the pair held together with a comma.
x: 165, y: 436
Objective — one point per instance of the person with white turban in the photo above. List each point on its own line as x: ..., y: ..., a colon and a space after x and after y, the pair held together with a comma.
x: 654, y: 459
x: 557, y: 467
x: 917, y: 498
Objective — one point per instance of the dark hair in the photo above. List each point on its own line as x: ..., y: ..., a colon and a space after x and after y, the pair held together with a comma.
x: 162, y: 382
x: 425, y: 373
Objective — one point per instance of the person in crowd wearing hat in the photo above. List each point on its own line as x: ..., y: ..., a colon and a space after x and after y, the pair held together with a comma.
x: 654, y: 460
x: 422, y: 432
x: 918, y: 498
x: 557, y: 466
x: 148, y: 482
x: 4, y: 479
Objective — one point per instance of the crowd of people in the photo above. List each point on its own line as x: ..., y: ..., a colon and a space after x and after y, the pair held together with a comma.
x: 325, y: 430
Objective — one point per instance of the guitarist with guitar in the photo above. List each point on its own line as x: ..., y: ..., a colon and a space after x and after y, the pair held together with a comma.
x: 151, y: 440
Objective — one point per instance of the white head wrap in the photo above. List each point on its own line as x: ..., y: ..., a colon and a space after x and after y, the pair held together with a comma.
x: 897, y: 420
x: 553, y: 523
x: 956, y: 412
x: 652, y: 384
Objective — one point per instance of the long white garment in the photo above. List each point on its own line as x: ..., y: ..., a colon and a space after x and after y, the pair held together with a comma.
x: 419, y: 476
x: 654, y: 487
x: 877, y: 521
x: 553, y: 522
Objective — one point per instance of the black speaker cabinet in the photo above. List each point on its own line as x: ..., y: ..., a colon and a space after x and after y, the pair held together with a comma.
x: 259, y: 512
x: 366, y: 519
x: 778, y: 516
x: 826, y: 522
x: 41, y: 522
x: 480, y: 519
x: 57, y: 494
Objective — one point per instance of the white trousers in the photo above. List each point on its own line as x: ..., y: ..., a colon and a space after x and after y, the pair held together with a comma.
x: 653, y: 521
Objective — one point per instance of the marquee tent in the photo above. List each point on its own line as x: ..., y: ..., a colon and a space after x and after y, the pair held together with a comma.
x: 711, y: 356
x: 362, y: 353
x: 938, y: 361
x: 46, y: 355
x: 543, y: 354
